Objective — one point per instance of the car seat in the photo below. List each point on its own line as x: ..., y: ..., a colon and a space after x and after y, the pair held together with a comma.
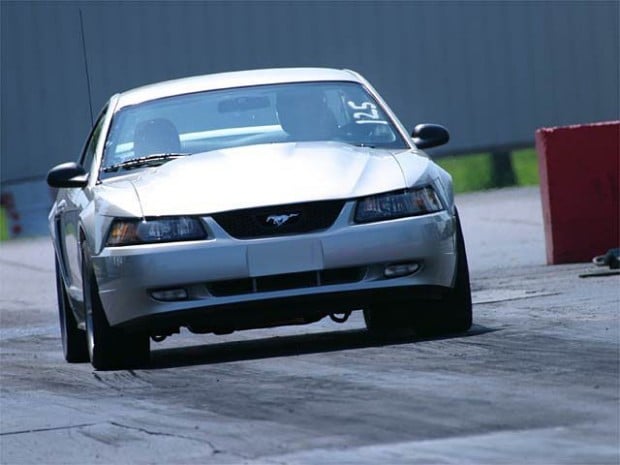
x: 156, y: 136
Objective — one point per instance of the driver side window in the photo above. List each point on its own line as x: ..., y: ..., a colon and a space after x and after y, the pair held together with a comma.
x: 91, y: 146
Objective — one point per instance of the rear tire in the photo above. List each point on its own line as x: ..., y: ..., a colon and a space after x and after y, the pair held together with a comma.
x: 109, y: 348
x: 73, y: 338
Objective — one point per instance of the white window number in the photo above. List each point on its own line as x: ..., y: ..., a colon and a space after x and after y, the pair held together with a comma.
x: 367, y: 112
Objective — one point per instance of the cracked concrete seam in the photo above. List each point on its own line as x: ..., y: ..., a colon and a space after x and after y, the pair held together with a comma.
x: 214, y: 450
x: 42, y: 430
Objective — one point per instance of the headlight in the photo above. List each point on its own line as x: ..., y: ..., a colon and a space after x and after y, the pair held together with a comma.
x: 399, y: 204
x: 134, y: 231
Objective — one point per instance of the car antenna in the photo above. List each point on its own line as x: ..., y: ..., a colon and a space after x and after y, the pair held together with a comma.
x: 90, y: 99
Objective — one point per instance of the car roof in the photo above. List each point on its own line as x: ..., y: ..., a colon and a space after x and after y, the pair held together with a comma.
x: 232, y: 79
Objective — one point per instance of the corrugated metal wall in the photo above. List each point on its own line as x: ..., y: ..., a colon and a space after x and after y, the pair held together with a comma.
x: 491, y: 71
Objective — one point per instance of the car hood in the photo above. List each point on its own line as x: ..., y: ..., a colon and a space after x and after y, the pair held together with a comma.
x: 269, y: 174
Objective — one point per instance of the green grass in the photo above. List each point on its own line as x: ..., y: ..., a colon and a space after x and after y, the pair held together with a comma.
x: 525, y: 164
x: 4, y: 228
x: 473, y: 172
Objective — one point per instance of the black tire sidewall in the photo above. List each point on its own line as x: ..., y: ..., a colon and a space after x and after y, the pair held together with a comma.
x: 103, y: 353
x: 74, y: 344
x: 453, y: 313
x: 112, y: 348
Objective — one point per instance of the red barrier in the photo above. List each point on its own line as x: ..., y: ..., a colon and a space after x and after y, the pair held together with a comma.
x: 579, y: 171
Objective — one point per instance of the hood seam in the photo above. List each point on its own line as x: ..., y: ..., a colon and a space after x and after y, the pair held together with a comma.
x: 135, y: 189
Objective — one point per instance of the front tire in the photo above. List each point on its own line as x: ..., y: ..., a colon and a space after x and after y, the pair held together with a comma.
x: 109, y: 348
x: 383, y: 322
x: 451, y: 314
x: 73, y: 338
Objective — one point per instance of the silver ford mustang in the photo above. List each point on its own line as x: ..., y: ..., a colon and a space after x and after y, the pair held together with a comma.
x: 252, y: 199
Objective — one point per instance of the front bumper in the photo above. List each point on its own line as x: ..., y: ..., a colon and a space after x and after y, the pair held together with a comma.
x: 128, y: 275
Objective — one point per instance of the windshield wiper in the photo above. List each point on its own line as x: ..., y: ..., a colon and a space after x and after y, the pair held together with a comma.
x: 155, y: 158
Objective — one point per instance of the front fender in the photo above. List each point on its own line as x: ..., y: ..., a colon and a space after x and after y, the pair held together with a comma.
x: 107, y: 202
x: 419, y: 170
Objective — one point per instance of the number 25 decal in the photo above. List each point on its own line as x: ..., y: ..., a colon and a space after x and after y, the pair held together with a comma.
x: 368, y: 111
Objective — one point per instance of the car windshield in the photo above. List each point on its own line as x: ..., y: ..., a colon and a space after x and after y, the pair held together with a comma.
x: 205, y: 121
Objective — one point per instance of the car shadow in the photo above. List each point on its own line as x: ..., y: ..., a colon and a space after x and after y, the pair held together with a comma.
x: 284, y: 346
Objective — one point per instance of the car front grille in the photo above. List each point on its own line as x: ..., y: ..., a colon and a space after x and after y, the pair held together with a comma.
x: 281, y: 220
x: 283, y: 282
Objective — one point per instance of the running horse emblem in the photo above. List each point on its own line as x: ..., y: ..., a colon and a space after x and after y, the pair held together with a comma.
x: 279, y: 220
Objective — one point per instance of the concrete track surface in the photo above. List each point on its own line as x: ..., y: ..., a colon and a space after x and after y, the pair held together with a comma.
x: 536, y: 380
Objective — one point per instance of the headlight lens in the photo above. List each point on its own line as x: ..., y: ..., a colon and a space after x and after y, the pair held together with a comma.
x: 134, y: 231
x: 410, y: 202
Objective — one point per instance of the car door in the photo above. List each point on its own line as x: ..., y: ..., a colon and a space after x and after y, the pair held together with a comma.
x: 69, y: 204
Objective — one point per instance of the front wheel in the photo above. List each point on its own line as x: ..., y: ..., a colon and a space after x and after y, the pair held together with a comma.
x: 452, y: 313
x: 109, y: 348
x: 73, y: 339
x: 385, y: 321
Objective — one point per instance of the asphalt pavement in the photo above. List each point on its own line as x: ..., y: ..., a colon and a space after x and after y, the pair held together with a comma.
x: 536, y: 379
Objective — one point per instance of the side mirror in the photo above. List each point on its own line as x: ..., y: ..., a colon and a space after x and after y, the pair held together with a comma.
x: 67, y: 175
x: 429, y: 135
